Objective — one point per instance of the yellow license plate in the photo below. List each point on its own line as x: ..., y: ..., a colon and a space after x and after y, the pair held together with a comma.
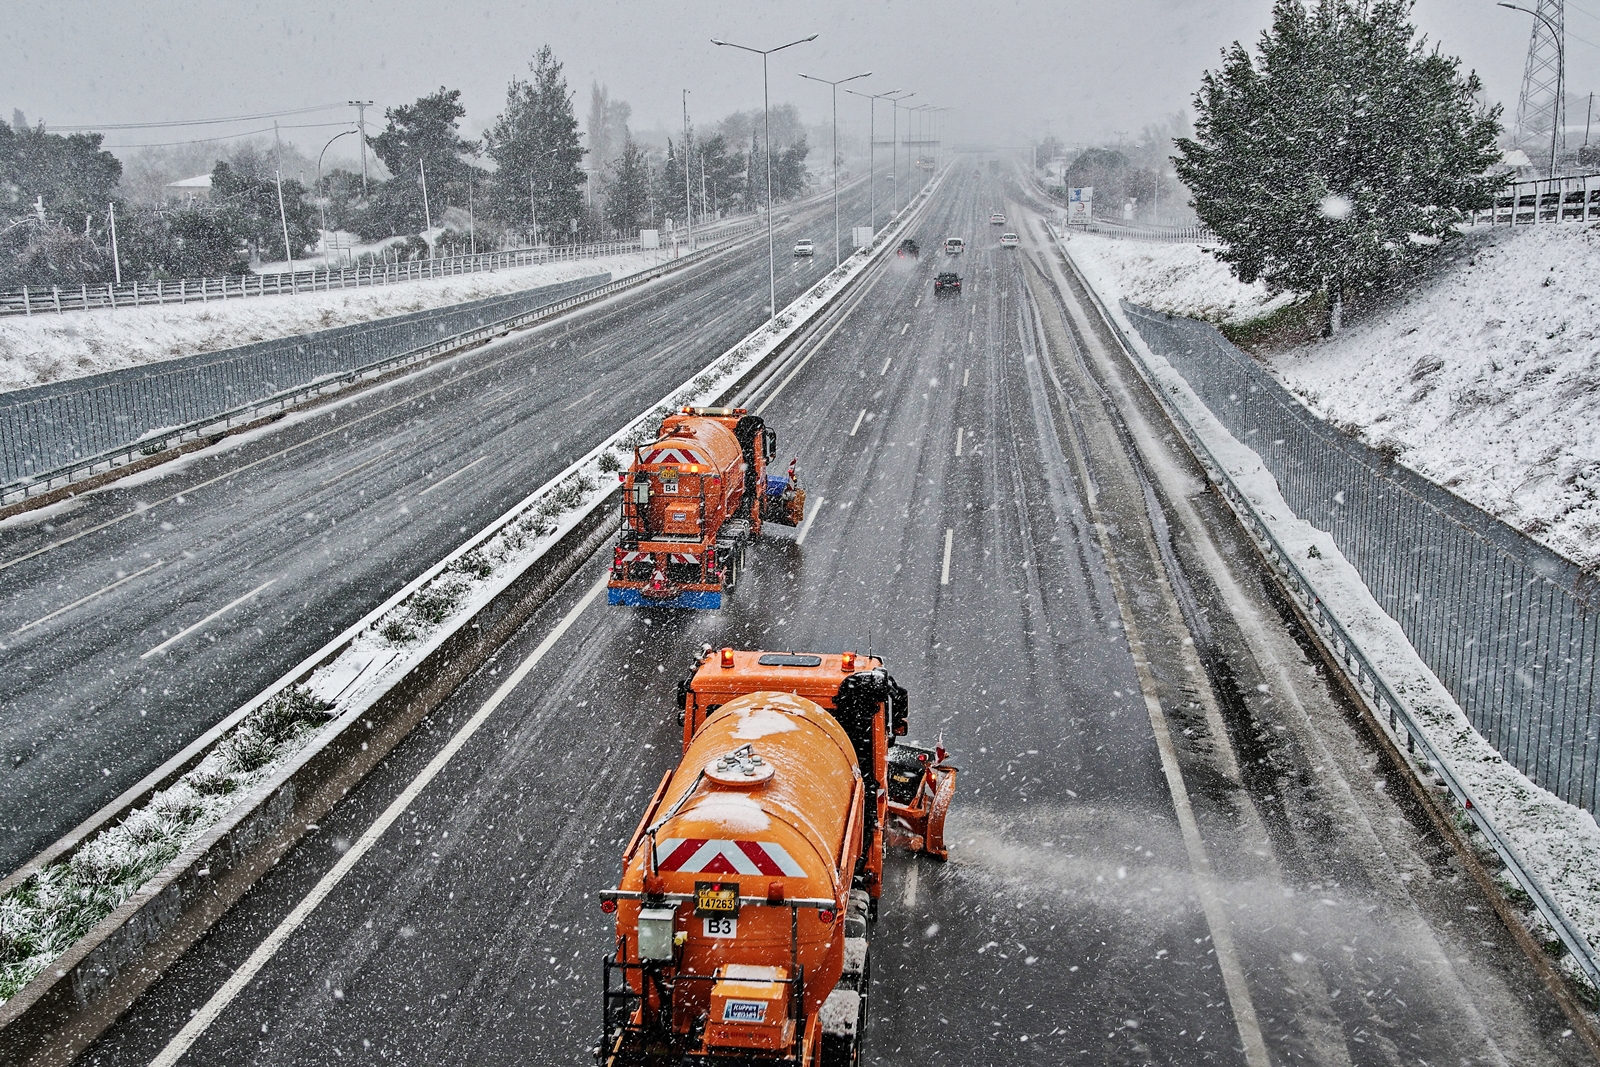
x: 716, y: 898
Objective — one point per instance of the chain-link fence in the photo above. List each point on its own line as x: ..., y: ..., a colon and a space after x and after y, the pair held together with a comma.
x: 1509, y: 627
x: 51, y: 427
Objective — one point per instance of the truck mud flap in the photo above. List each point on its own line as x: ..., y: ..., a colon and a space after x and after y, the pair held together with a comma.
x: 701, y: 599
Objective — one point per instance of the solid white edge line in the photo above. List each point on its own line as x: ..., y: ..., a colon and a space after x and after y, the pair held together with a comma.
x: 449, y: 477
x: 202, y: 1020
x: 805, y: 527
x: 944, y: 573
x: 181, y: 634
x: 857, y: 426
x: 85, y: 599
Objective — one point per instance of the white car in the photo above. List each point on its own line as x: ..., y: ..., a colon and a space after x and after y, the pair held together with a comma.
x: 804, y: 248
x: 954, y: 246
x: 1009, y: 240
x: 997, y: 219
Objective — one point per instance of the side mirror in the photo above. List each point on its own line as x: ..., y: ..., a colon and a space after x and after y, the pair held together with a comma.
x: 681, y: 696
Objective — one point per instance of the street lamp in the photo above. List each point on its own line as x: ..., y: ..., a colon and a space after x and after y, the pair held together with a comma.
x: 766, y: 122
x: 837, y: 258
x: 894, y: 132
x: 1561, y: 78
x: 322, y: 194
x: 872, y: 148
x: 923, y: 114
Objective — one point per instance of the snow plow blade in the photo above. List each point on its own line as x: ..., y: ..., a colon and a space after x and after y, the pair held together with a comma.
x: 921, y: 784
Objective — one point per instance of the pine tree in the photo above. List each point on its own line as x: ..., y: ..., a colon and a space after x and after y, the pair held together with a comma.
x: 420, y: 137
x: 537, y: 182
x: 1346, y: 151
x: 629, y: 198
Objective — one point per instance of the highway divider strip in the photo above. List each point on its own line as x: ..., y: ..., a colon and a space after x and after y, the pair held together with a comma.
x: 1411, y: 717
x: 335, y: 715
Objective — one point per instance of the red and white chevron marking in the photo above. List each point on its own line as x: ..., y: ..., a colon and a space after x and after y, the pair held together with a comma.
x: 670, y: 455
x: 701, y: 856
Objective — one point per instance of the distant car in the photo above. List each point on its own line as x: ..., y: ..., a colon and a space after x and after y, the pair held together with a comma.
x: 997, y: 219
x: 804, y: 248
x: 954, y: 246
x: 946, y: 282
x: 1009, y: 240
x: 909, y: 247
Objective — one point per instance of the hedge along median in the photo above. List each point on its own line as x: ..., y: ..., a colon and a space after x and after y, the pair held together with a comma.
x: 95, y: 919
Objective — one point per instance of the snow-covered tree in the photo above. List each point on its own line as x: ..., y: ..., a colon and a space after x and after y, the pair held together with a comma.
x: 534, y: 143
x: 1347, y: 148
x: 628, y: 199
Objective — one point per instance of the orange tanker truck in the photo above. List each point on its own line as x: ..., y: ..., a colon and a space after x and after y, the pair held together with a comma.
x: 750, y: 888
x: 691, y: 502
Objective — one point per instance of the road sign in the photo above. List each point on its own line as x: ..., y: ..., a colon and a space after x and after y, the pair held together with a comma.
x: 1080, y: 204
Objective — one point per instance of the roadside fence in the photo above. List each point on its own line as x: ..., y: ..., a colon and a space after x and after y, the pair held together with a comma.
x: 1574, y: 198
x: 1511, y: 628
x: 39, y: 300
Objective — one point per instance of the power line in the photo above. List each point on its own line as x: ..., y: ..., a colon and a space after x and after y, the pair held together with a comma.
x: 231, y: 136
x: 195, y: 122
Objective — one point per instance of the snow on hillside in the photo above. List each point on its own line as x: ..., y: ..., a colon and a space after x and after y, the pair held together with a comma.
x: 1484, y: 376
x: 48, y: 347
x: 1181, y: 278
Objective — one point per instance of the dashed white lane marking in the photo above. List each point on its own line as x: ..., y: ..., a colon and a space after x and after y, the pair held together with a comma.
x: 944, y: 574
x: 904, y: 328
x: 181, y: 634
x: 857, y: 426
x: 911, y: 887
x: 965, y: 378
x: 84, y: 600
x: 916, y: 304
x: 202, y: 1019
x: 450, y: 477
x: 805, y: 527
x: 885, y: 369
x: 969, y: 337
x: 961, y: 431
x: 584, y: 399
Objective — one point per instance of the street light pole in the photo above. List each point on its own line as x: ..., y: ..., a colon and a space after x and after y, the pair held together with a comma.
x: 688, y: 208
x: 322, y: 194
x: 872, y: 149
x: 894, y: 147
x: 1561, y: 78
x: 837, y: 257
x: 766, y: 123
x: 361, y: 125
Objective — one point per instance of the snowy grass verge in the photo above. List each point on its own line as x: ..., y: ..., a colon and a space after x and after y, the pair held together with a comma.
x: 1552, y: 848
x: 55, y: 905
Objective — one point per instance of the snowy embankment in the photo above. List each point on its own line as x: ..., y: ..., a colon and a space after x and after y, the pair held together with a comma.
x: 49, y: 347
x: 1484, y: 376
x: 1556, y: 841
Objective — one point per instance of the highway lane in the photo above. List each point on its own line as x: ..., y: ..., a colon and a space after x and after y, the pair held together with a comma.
x: 1073, y: 924
x: 134, y: 617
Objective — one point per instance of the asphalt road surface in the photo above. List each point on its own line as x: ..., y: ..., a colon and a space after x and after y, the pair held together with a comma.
x: 135, y: 617
x: 1170, y: 843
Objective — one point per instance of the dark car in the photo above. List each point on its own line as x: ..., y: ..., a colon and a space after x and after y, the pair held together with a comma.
x: 909, y: 247
x: 947, y: 282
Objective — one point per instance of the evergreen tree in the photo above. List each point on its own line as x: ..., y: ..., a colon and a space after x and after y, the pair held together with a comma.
x: 1347, y: 150
x: 629, y: 197
x: 419, y: 138
x: 534, y: 143
x: 251, y: 206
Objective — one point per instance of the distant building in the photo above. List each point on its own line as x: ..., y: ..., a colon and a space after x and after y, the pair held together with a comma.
x: 190, y: 190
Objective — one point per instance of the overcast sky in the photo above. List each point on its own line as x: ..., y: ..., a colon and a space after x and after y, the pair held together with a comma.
x: 1014, y: 70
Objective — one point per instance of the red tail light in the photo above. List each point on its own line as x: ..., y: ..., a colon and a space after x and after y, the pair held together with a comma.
x: 826, y: 915
x: 608, y: 905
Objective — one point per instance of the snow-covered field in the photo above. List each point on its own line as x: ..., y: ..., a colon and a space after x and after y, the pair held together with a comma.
x: 1484, y: 377
x: 46, y: 348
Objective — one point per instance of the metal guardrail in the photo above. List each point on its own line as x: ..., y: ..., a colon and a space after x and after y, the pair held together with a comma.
x: 1511, y: 628
x: 1573, y: 198
x: 50, y: 299
x: 53, y: 435
x: 1386, y: 704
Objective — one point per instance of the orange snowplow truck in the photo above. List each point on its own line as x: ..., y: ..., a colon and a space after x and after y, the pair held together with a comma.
x: 691, y: 503
x: 751, y: 886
